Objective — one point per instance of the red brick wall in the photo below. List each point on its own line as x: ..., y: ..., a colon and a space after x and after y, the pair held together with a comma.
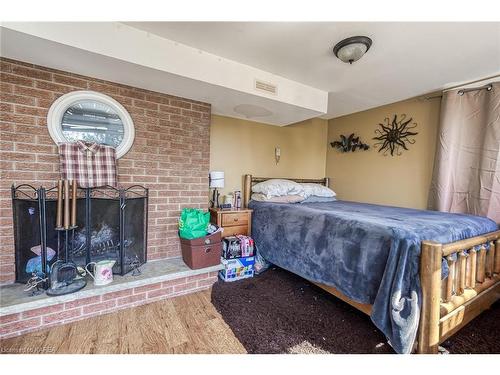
x: 170, y: 154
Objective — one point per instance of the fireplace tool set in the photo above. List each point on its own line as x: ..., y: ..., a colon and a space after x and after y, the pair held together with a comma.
x: 64, y: 276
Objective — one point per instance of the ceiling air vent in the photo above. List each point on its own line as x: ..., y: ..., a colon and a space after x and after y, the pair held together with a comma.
x: 265, y: 86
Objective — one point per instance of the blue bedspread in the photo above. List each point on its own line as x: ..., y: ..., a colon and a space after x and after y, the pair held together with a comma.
x: 369, y: 252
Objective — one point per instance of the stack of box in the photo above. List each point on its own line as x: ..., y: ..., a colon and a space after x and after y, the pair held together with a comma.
x: 237, y: 258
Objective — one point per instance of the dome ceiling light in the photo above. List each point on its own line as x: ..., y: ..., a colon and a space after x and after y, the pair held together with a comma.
x: 352, y: 49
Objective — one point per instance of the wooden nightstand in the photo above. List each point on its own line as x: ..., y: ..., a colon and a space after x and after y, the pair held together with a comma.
x: 233, y: 221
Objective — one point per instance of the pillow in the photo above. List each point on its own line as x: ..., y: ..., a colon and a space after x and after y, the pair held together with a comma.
x: 281, y: 199
x: 317, y: 190
x: 316, y: 199
x: 277, y: 187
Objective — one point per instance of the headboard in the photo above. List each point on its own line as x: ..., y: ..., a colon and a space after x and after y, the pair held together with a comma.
x: 251, y: 180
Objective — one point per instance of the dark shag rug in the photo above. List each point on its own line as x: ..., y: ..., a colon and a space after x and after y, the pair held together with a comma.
x: 279, y: 312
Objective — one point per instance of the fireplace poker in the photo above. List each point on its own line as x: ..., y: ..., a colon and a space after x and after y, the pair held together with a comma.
x: 59, y: 204
x: 66, y: 204
x: 73, y: 204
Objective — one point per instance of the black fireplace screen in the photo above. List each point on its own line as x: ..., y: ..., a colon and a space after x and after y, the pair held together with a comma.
x: 111, y: 225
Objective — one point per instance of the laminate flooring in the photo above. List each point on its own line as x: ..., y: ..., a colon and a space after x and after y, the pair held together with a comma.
x: 185, y: 324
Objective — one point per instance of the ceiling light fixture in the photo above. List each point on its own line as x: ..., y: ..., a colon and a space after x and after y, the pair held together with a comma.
x: 352, y: 49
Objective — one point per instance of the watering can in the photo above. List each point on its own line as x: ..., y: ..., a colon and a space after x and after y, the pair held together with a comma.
x: 103, y: 271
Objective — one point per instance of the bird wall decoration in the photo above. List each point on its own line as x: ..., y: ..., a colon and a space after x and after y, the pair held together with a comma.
x: 349, y: 144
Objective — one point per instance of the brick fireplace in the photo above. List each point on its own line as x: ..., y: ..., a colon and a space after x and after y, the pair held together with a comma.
x: 170, y: 157
x: 170, y: 154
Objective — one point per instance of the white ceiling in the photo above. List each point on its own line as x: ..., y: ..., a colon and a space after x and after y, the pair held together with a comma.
x: 406, y: 59
x: 219, y: 62
x: 119, y: 53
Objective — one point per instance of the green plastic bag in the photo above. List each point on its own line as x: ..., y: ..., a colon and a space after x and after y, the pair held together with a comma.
x: 193, y: 223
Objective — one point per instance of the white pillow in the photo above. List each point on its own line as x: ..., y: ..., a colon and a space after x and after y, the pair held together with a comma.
x: 317, y: 190
x: 277, y: 187
x: 281, y: 199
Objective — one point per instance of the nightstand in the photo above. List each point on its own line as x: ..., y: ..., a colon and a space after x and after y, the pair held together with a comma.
x: 233, y: 221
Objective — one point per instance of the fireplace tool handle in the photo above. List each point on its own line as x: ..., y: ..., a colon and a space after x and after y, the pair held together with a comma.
x: 88, y: 271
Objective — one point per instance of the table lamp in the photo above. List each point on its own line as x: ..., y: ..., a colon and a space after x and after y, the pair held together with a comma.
x: 216, y: 180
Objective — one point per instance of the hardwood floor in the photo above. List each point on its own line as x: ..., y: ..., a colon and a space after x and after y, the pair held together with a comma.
x: 186, y: 324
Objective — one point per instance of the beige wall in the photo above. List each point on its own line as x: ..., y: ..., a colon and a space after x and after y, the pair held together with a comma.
x: 238, y: 147
x: 368, y: 176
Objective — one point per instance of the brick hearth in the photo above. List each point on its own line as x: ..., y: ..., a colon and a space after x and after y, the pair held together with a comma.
x: 20, y: 313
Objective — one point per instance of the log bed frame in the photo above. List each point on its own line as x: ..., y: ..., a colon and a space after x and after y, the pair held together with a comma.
x: 472, y: 286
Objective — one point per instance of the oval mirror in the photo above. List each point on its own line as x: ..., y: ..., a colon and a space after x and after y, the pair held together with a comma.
x: 91, y: 117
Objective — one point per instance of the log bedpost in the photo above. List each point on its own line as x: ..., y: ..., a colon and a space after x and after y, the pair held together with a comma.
x: 450, y: 278
x: 481, y: 265
x: 430, y: 280
x: 462, y: 259
x: 247, y: 190
x: 496, y: 267
x: 473, y: 268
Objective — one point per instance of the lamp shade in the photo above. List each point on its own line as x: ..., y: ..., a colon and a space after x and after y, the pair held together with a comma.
x: 216, y: 179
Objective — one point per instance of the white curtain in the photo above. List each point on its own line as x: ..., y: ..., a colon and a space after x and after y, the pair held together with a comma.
x: 466, y: 176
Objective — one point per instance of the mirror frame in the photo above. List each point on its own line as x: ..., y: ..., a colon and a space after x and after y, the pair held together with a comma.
x: 59, y: 107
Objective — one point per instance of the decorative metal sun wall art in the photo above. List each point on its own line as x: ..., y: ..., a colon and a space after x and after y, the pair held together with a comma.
x: 395, y: 135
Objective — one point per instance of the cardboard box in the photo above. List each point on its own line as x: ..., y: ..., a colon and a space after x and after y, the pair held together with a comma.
x: 238, y: 246
x: 237, y: 269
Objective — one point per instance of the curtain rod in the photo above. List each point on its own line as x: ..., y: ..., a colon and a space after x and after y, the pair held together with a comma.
x: 488, y: 87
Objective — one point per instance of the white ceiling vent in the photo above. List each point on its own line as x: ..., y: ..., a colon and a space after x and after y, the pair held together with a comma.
x: 265, y: 86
